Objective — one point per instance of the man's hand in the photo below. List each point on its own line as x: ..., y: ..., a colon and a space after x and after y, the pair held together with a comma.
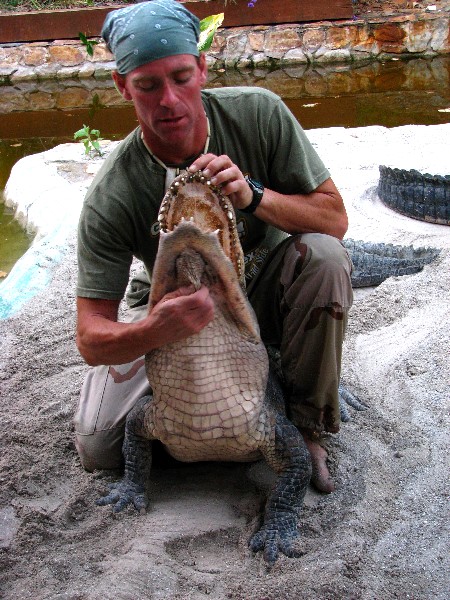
x: 102, y: 340
x: 180, y: 314
x: 222, y: 171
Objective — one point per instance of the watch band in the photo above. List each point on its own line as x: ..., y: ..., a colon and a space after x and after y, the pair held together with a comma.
x: 258, y: 191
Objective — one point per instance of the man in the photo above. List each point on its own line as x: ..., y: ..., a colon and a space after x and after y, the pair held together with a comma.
x: 299, y: 286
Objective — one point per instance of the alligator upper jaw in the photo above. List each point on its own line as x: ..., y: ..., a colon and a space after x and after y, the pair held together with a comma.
x: 192, y: 197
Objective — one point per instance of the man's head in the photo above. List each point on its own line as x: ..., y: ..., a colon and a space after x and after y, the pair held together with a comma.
x: 149, y: 31
x: 160, y: 70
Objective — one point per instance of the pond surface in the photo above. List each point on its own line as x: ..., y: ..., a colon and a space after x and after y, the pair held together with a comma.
x: 38, y: 116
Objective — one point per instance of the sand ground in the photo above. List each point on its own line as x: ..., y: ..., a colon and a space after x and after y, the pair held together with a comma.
x: 382, y: 535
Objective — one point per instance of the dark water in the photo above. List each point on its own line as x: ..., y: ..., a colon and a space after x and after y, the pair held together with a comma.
x: 389, y: 94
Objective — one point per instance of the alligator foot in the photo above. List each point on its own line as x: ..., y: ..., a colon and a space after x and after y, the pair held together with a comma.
x: 347, y: 398
x: 287, y: 454
x: 276, y: 536
x: 137, y: 450
x: 124, y: 493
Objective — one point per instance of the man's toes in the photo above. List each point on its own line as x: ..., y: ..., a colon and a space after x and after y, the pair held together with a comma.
x: 322, y: 481
x: 320, y: 478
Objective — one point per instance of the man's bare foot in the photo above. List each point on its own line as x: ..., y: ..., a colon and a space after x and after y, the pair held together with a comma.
x: 321, y: 478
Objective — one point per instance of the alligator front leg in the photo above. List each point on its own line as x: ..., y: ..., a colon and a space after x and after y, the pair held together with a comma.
x: 137, y: 452
x: 288, y: 455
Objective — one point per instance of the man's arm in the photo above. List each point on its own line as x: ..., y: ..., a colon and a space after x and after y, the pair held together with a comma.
x: 320, y: 211
x: 102, y: 340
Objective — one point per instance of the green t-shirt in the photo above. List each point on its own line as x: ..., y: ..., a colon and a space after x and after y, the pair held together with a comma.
x: 119, y: 217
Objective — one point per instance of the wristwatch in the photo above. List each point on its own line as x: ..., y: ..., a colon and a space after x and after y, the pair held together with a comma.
x: 258, y: 191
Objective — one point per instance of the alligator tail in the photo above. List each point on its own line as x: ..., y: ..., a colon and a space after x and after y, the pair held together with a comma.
x: 418, y: 195
x: 375, y: 262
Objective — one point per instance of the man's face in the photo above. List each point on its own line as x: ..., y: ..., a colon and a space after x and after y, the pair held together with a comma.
x: 166, y: 96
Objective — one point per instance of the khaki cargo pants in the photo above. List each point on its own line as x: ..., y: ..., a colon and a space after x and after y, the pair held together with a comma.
x: 301, y: 299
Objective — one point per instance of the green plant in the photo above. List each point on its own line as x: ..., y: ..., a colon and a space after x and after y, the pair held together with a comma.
x: 208, y: 27
x: 88, y: 44
x: 95, y: 105
x: 90, y: 138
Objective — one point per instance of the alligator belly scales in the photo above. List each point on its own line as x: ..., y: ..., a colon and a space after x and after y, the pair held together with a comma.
x: 208, y: 389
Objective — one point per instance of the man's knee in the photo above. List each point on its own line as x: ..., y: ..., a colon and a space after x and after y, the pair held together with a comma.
x: 107, y: 396
x: 324, y: 252
x: 317, y: 266
x: 101, y: 449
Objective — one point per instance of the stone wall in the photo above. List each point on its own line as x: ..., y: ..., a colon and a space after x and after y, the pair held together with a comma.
x: 421, y: 34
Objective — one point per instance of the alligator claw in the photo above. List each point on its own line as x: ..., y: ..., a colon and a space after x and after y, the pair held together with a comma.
x: 346, y: 398
x: 273, y: 538
x: 124, y: 493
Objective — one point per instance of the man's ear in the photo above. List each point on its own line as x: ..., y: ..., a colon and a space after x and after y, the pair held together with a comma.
x: 203, y: 68
x: 120, y: 83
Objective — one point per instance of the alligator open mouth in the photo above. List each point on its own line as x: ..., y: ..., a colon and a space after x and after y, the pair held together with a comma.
x: 192, y: 197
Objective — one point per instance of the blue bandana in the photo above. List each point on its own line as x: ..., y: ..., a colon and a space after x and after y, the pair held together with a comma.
x: 147, y: 31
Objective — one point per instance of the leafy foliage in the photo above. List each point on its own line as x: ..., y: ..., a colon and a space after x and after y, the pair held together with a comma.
x: 208, y: 27
x: 90, y: 138
x: 88, y: 44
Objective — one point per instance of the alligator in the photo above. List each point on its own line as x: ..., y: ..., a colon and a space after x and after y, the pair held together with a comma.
x: 418, y: 195
x: 214, y: 395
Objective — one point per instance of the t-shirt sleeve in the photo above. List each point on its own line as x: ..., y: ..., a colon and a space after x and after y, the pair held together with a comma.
x: 294, y: 165
x: 104, y: 256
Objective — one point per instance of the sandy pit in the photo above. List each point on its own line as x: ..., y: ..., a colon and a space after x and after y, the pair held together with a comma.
x: 383, y: 534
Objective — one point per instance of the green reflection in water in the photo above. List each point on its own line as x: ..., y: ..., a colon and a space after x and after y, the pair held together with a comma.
x: 14, y: 241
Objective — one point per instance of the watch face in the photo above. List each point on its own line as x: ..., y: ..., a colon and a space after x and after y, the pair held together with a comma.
x: 257, y: 191
x: 257, y: 188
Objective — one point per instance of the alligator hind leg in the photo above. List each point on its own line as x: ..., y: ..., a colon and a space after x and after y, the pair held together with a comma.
x: 137, y: 452
x: 288, y: 455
